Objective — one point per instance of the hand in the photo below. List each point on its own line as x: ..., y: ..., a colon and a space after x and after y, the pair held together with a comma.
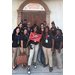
x: 59, y: 51
x: 28, y: 39
x: 12, y: 51
x: 52, y: 49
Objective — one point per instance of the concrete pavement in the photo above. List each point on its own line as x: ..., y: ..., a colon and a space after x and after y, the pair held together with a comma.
x: 40, y: 70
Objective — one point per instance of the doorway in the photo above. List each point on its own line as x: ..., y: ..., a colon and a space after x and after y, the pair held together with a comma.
x: 34, y: 17
x: 31, y: 15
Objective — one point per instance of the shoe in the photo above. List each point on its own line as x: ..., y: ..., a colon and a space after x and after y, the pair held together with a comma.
x: 50, y: 69
x: 45, y: 65
x: 28, y: 70
x: 34, y: 65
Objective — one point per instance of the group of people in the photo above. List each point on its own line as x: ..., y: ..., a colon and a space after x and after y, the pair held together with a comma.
x: 51, y: 41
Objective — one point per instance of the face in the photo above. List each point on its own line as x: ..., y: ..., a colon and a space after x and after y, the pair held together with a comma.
x: 25, y: 31
x: 42, y: 29
x: 53, y: 25
x: 29, y: 25
x: 17, y: 30
x: 20, y: 25
x: 44, y: 23
x: 57, y: 32
x: 35, y: 29
x: 46, y: 30
x: 25, y: 22
x: 42, y: 26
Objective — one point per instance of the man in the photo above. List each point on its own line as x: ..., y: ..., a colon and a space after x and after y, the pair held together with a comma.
x: 53, y: 29
x: 25, y: 23
x: 45, y: 23
x: 29, y: 29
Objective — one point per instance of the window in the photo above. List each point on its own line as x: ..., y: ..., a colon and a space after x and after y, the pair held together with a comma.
x: 34, y: 6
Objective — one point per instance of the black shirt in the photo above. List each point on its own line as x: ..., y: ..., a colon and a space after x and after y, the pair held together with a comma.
x: 24, y: 25
x: 49, y: 38
x: 29, y: 31
x: 21, y: 32
x: 25, y: 40
x: 57, y: 41
x: 16, y: 41
x: 33, y: 42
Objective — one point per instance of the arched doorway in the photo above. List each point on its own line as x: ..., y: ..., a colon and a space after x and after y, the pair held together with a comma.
x: 22, y: 14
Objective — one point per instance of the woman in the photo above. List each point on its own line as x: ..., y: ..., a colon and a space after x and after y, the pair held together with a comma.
x: 58, y: 46
x: 15, y: 46
x: 41, y: 28
x: 24, y: 47
x: 53, y: 29
x: 34, y: 46
x: 41, y: 54
x: 21, y: 28
x: 48, y: 47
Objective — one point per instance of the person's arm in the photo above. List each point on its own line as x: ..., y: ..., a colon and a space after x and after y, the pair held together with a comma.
x: 52, y: 45
x: 41, y: 43
x: 52, y: 42
x: 12, y: 48
x: 12, y: 42
x: 61, y: 43
x: 22, y: 46
x: 59, y: 50
x: 41, y: 40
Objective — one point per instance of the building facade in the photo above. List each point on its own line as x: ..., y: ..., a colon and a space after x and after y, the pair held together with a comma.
x: 36, y: 11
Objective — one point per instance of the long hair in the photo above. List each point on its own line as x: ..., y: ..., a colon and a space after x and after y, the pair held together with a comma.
x: 27, y: 31
x: 45, y: 29
x: 22, y: 25
x: 14, y: 32
x: 41, y: 24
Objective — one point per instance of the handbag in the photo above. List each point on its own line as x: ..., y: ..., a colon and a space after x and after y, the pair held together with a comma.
x: 22, y: 58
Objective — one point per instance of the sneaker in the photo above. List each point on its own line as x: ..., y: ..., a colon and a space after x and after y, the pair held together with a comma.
x: 34, y: 65
x: 28, y: 70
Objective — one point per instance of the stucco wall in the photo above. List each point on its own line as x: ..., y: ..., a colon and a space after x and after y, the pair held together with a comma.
x: 55, y: 6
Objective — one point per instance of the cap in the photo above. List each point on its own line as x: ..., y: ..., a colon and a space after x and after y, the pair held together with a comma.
x: 52, y: 22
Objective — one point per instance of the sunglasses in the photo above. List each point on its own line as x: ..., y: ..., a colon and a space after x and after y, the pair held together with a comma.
x: 28, y: 24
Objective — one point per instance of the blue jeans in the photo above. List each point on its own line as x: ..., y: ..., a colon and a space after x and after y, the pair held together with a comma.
x: 39, y: 54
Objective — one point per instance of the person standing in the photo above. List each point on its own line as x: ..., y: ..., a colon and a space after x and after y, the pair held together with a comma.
x: 35, y: 25
x: 21, y: 28
x: 29, y: 29
x: 25, y: 23
x: 15, y: 46
x: 45, y: 23
x: 24, y: 47
x: 58, y: 46
x: 41, y: 28
x: 34, y: 46
x: 41, y: 54
x: 53, y: 29
x: 48, y: 47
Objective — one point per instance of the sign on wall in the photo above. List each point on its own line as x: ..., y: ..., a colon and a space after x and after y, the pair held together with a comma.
x: 34, y: 6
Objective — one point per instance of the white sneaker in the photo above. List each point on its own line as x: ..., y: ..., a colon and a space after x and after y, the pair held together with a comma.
x: 34, y: 65
x: 29, y: 71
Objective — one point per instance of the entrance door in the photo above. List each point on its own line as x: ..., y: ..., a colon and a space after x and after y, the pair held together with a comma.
x: 34, y: 17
